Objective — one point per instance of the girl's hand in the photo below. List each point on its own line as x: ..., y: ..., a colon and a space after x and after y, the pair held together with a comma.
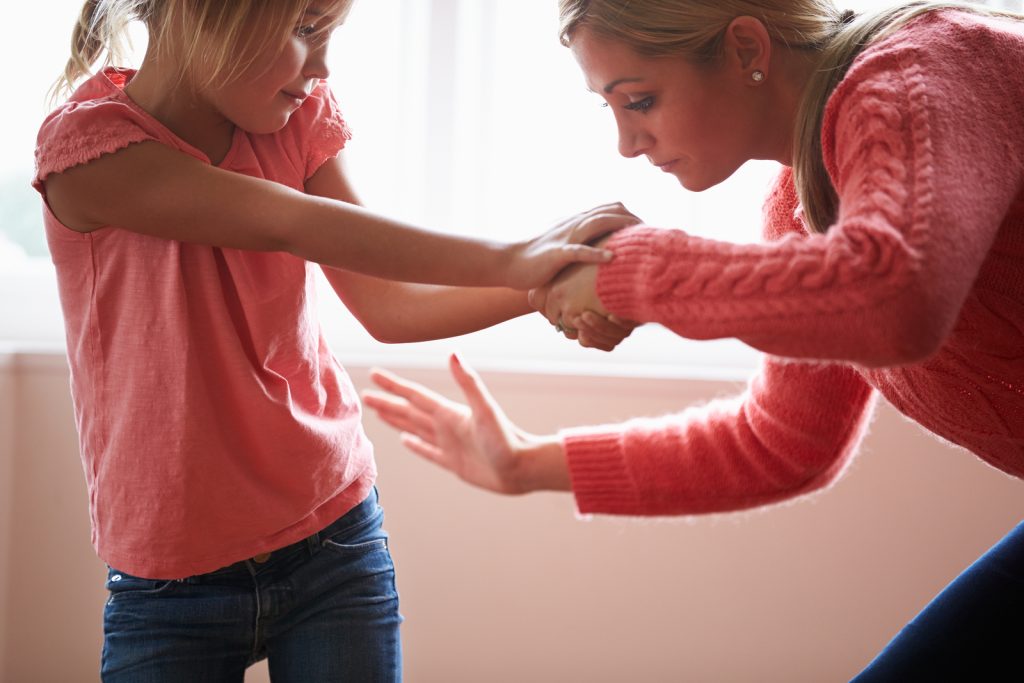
x: 477, y: 442
x: 535, y: 262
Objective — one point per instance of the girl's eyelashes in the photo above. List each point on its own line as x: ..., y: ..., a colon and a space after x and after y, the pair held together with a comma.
x: 306, y: 31
x: 641, y: 105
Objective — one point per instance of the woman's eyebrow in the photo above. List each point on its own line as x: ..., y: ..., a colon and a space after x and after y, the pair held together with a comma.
x: 618, y: 81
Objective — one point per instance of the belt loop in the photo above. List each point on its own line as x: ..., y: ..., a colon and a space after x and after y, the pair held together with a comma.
x: 313, y: 543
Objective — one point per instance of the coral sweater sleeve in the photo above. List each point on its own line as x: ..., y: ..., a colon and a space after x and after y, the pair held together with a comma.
x: 923, y: 146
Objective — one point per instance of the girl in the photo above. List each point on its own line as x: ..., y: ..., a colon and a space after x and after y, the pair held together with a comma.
x: 231, y: 485
x: 892, y: 266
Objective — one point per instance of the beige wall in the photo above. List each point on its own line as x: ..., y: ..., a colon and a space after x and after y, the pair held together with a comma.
x: 517, y: 589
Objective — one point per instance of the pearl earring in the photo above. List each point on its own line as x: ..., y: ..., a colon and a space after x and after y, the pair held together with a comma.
x: 758, y: 76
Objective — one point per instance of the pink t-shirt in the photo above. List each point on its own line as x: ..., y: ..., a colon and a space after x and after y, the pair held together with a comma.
x: 915, y: 293
x: 215, y: 423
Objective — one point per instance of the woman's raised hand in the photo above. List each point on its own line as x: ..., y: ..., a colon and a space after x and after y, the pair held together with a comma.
x: 536, y: 261
x: 477, y: 442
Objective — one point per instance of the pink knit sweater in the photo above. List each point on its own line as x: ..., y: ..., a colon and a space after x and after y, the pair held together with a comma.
x: 916, y: 291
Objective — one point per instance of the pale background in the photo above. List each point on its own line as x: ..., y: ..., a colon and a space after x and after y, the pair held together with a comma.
x: 508, y: 590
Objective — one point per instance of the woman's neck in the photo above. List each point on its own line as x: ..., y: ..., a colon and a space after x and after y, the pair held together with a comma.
x: 791, y: 71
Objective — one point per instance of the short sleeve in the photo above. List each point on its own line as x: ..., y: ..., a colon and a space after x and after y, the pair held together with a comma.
x: 324, y: 131
x: 80, y: 132
x: 98, y: 119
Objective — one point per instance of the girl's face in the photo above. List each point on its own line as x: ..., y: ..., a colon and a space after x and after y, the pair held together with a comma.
x: 264, y: 96
x: 688, y: 120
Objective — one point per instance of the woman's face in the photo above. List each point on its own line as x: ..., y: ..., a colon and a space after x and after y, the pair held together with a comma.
x: 691, y: 121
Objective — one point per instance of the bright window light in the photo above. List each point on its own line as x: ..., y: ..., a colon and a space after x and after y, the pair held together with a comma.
x: 469, y: 117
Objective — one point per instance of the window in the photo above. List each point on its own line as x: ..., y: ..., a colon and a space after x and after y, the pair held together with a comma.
x: 472, y: 118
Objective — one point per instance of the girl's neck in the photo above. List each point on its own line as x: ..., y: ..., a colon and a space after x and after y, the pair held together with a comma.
x: 185, y: 112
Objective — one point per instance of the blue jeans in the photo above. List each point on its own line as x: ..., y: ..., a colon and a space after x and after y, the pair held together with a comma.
x: 972, y: 631
x: 322, y: 609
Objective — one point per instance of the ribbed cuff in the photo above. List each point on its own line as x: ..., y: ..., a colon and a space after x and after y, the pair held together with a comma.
x: 598, y: 473
x: 621, y: 282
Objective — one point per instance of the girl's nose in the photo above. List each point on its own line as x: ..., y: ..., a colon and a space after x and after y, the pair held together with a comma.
x: 316, y: 63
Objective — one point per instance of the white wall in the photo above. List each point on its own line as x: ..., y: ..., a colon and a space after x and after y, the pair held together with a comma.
x: 517, y: 589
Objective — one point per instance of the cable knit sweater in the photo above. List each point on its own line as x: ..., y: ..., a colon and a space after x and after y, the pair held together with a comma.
x: 916, y: 291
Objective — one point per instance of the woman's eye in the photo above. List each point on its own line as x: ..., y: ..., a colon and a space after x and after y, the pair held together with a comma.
x: 305, y: 31
x: 641, y: 105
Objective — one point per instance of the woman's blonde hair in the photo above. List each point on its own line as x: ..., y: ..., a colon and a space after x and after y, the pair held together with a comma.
x: 694, y: 29
x: 210, y: 41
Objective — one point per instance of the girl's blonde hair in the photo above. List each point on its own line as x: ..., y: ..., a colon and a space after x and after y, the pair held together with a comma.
x: 211, y: 42
x: 694, y: 29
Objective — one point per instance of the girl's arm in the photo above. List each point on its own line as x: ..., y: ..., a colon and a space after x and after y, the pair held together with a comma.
x: 151, y: 189
x: 396, y: 312
x: 792, y: 432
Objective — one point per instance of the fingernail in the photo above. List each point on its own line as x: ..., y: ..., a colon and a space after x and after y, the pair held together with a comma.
x: 608, y: 255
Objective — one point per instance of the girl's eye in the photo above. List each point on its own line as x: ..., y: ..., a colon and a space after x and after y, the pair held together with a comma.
x: 305, y: 31
x: 641, y: 105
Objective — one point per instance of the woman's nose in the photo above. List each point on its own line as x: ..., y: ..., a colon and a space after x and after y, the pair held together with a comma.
x: 633, y: 141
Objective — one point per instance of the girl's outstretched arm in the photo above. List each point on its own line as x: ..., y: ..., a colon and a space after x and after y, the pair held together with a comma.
x: 151, y: 189
x: 397, y: 312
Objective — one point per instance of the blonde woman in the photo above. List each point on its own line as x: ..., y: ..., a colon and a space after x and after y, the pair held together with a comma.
x: 892, y: 265
x: 231, y: 484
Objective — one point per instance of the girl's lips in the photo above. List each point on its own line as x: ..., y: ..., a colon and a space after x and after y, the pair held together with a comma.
x: 667, y: 166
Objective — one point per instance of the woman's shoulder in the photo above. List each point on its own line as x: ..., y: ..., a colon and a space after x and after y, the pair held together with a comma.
x: 944, y: 40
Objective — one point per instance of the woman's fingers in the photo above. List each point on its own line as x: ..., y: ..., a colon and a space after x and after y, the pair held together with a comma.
x: 416, y: 394
x: 473, y: 388
x: 398, y: 413
x: 423, y: 449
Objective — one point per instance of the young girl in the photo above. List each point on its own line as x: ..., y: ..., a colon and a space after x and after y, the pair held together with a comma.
x: 231, y: 485
x: 893, y: 263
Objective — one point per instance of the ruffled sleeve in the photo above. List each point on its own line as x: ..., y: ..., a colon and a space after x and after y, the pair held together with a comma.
x: 324, y: 131
x: 80, y: 132
x: 98, y: 119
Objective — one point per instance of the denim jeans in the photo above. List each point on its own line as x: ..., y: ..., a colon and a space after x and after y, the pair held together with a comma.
x: 323, y: 609
x: 972, y: 631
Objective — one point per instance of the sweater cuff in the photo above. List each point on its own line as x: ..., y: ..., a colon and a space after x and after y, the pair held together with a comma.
x: 598, y: 473
x: 621, y: 282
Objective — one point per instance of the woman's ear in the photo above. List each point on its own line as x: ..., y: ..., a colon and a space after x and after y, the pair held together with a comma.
x: 747, y: 49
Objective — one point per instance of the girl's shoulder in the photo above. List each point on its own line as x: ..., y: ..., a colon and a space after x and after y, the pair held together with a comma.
x: 98, y: 118
x: 317, y: 131
x: 319, y: 116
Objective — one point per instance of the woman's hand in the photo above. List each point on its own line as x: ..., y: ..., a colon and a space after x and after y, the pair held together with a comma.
x: 477, y: 442
x: 571, y: 304
x: 535, y: 262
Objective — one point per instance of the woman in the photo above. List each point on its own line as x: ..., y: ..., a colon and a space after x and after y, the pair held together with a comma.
x: 892, y: 261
